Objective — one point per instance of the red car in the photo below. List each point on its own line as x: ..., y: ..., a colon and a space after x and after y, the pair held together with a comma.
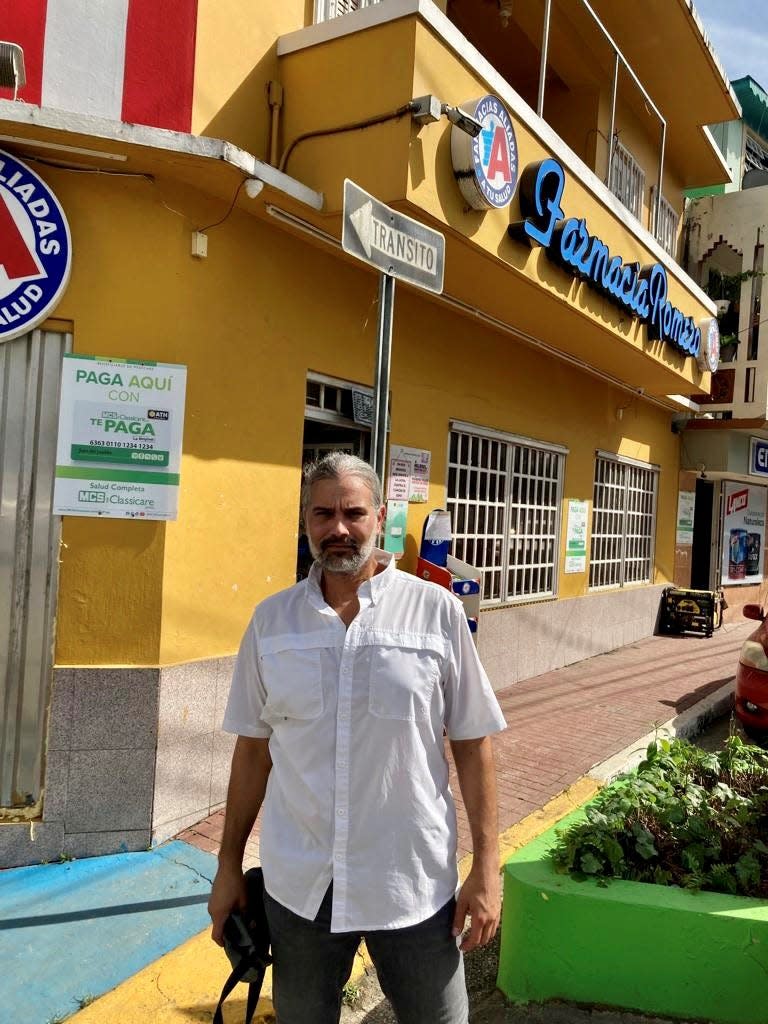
x: 752, y: 678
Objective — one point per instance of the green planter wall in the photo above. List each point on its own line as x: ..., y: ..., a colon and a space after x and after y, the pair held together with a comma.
x: 631, y: 945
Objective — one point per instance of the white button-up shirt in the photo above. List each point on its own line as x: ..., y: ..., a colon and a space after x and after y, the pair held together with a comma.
x: 358, y: 791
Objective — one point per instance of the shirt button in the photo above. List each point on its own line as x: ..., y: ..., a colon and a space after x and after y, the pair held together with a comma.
x: 340, y: 812
x: 341, y: 764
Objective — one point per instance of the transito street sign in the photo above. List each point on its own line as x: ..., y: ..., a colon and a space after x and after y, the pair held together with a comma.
x: 391, y: 242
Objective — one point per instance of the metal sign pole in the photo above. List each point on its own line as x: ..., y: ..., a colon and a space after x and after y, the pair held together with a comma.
x: 381, y: 382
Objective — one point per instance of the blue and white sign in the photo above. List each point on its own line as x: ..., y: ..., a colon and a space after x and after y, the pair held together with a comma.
x: 640, y: 291
x: 486, y: 166
x: 35, y: 249
x: 709, y: 353
x: 758, y: 457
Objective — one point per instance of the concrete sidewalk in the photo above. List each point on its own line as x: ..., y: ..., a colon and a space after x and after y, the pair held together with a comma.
x: 568, y: 731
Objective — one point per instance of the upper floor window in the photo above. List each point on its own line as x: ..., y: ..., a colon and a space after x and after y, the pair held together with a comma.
x: 627, y: 180
x: 327, y: 9
x: 666, y: 229
x: 504, y: 496
x: 755, y: 156
x: 623, y: 521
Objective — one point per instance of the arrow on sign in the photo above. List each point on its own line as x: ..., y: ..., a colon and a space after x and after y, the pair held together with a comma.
x: 362, y: 222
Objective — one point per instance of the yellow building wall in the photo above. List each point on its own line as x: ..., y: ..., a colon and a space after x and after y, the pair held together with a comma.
x: 506, y: 271
x: 249, y: 322
x: 235, y: 58
x: 477, y: 375
x: 248, y: 327
x: 266, y: 306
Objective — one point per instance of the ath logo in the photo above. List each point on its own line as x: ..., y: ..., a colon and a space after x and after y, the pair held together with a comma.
x: 486, y: 167
x: 737, y: 501
x: 35, y: 249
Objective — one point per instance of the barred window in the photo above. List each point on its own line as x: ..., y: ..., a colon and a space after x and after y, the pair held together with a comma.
x: 666, y: 229
x: 504, y: 496
x: 623, y: 522
x: 627, y: 179
x: 327, y: 9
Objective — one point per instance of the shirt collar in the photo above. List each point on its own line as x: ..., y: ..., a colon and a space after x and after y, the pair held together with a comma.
x: 372, y: 589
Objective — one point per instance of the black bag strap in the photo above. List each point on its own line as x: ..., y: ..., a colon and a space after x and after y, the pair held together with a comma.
x: 254, y: 988
x: 258, y: 958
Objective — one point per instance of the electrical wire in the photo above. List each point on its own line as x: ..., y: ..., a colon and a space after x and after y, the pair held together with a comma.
x: 352, y: 126
x: 229, y: 211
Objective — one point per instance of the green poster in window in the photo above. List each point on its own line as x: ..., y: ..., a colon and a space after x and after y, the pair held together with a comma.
x: 576, y: 536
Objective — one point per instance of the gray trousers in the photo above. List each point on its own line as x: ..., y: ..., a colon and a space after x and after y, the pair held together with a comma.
x: 420, y: 968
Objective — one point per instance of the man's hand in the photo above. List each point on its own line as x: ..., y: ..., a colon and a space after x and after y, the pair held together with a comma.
x: 480, y: 898
x: 228, y: 894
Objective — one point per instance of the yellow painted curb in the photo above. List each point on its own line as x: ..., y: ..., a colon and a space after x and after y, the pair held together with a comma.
x: 183, y: 986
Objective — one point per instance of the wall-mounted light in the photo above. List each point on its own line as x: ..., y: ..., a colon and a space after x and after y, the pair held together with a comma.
x: 505, y: 12
x: 12, y: 75
x: 428, y: 109
x: 253, y: 187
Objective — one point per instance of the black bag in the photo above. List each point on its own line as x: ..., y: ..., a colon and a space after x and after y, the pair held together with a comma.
x: 246, y: 943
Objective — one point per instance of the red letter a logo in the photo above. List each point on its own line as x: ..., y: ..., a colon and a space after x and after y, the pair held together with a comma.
x: 499, y: 159
x: 15, y: 256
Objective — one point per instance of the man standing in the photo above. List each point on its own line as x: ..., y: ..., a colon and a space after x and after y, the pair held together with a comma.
x: 343, y: 687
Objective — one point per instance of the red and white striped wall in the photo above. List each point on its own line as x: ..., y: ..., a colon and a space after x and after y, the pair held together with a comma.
x: 126, y: 60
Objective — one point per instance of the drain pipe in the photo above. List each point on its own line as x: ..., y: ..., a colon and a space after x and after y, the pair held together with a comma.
x: 275, y: 100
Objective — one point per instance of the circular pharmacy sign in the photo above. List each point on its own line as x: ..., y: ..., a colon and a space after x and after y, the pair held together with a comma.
x: 35, y: 249
x: 486, y: 166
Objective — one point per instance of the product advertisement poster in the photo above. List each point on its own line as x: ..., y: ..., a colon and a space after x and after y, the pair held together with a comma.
x: 118, y: 454
x: 744, y: 533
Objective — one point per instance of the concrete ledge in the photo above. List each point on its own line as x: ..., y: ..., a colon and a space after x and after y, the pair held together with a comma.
x: 631, y: 945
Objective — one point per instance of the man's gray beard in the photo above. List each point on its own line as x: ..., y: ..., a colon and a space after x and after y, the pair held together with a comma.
x: 342, y: 564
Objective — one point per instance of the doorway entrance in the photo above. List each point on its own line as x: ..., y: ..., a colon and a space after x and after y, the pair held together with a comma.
x: 706, y: 553
x: 337, y: 417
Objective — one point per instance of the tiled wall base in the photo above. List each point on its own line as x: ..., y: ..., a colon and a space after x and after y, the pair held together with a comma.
x: 133, y: 757
x: 521, y: 641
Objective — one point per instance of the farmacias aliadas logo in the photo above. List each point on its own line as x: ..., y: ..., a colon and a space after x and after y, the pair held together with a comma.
x: 35, y: 249
x: 494, y: 152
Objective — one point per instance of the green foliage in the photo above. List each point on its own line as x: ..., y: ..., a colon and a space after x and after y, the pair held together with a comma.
x: 685, y: 817
x: 350, y: 994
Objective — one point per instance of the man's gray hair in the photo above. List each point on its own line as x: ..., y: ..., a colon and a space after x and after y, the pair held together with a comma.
x: 334, y: 466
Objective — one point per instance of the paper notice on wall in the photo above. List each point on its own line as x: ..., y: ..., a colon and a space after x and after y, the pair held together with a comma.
x: 576, y: 536
x: 408, y: 473
x: 686, y: 501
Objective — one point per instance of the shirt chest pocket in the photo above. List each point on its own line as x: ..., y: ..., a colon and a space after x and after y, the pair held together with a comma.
x: 292, y: 676
x: 404, y: 672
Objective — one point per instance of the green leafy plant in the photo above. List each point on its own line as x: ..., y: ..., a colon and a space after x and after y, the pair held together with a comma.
x: 350, y: 994
x: 685, y: 817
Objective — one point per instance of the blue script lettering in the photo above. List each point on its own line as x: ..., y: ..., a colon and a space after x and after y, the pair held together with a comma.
x: 643, y: 293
